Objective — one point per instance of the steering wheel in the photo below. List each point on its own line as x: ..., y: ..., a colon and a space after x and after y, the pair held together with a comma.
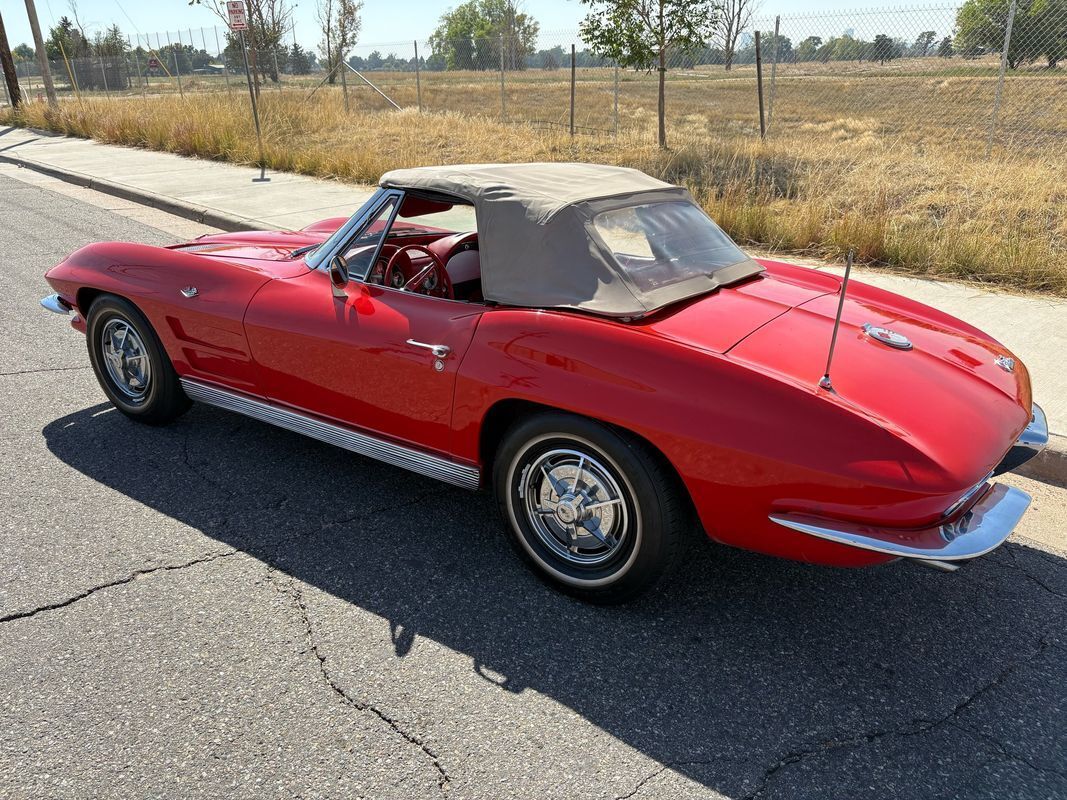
x: 442, y: 286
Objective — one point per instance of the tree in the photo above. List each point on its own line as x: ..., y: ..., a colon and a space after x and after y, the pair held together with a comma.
x: 843, y: 48
x: 638, y: 34
x: 882, y: 48
x: 24, y: 53
x: 733, y: 18
x: 268, y: 21
x: 65, y: 40
x: 1039, y: 30
x: 922, y: 44
x: 177, y: 58
x: 471, y: 35
x: 340, y: 23
x: 944, y: 50
x: 454, y: 36
x: 783, y: 48
x: 549, y: 59
x: 111, y: 43
x: 1051, y: 21
x: 299, y: 60
x: 808, y: 50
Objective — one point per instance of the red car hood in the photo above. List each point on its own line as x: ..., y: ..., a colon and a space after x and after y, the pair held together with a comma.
x: 271, y: 250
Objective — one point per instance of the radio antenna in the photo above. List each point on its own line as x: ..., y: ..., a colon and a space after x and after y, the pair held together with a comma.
x: 824, y: 381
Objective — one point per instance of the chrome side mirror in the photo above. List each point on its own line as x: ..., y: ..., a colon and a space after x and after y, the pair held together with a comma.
x: 338, y: 269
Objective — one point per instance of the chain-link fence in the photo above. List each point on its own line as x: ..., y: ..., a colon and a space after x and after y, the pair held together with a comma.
x: 918, y: 72
x: 992, y: 76
x: 176, y: 61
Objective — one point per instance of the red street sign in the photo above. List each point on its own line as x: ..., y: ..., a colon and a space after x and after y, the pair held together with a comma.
x: 153, y: 63
x: 235, y: 13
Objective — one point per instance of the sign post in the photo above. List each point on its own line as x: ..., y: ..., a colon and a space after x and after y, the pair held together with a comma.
x: 238, y: 22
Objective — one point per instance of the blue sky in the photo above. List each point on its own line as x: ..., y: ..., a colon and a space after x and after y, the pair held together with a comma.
x: 384, y: 21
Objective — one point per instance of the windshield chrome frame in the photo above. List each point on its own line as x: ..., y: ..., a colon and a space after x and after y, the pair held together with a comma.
x: 339, y: 239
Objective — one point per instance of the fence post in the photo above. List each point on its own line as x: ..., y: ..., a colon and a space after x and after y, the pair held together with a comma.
x: 177, y: 72
x: 774, y: 71
x: 1000, y: 79
x: 759, y: 89
x: 222, y: 58
x: 136, y: 61
x: 503, y: 101
x: 103, y: 74
x: 192, y: 46
x: 277, y: 72
x: 344, y: 82
x: 418, y: 82
x: 616, y: 112
x: 572, y: 88
x: 177, y: 64
x: 159, y: 53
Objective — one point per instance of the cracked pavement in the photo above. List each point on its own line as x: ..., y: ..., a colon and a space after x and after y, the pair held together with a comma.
x: 218, y: 608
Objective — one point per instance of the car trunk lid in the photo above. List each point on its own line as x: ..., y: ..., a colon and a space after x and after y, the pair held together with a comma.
x: 951, y: 392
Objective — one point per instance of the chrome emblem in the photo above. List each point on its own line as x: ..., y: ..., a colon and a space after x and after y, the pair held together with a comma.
x: 887, y: 337
x: 1006, y: 363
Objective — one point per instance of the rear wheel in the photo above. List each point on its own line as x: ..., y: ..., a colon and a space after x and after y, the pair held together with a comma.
x: 130, y: 363
x: 595, y: 511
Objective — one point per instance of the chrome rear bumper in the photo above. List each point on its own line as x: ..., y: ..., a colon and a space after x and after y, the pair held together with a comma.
x: 1030, y: 442
x: 982, y: 528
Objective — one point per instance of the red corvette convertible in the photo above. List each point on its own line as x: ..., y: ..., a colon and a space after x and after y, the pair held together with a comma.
x: 587, y: 342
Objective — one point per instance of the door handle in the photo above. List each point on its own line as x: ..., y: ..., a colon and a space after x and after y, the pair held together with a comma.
x: 439, y: 350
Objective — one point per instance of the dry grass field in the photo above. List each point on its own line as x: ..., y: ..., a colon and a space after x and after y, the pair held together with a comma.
x: 890, y: 162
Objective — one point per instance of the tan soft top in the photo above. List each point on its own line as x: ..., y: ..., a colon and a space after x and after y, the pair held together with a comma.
x: 538, y: 245
x: 541, y: 189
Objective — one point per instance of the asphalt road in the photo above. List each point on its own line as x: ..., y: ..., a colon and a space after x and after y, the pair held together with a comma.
x: 219, y: 608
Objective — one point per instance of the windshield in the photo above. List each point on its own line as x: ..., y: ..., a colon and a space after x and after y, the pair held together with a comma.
x: 315, y: 257
x: 417, y: 216
x: 660, y: 244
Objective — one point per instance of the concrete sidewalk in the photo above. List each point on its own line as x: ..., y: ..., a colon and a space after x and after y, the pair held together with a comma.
x: 221, y: 194
x: 227, y: 196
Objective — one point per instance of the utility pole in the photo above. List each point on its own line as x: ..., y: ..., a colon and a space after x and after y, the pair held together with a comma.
x: 8, y: 63
x: 42, y: 54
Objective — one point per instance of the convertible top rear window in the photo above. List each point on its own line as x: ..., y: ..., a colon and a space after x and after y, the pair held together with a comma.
x: 663, y: 243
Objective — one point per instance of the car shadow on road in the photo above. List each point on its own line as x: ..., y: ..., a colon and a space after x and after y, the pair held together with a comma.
x: 750, y: 675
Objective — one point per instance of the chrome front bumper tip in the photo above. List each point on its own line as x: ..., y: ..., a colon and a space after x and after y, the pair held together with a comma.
x: 55, y: 304
x: 982, y: 528
x: 1030, y: 442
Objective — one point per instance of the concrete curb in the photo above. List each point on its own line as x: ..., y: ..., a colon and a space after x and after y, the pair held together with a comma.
x: 1049, y: 466
x: 171, y: 205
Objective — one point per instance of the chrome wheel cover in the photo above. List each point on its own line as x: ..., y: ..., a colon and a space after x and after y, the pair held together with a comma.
x: 575, y: 506
x: 126, y: 359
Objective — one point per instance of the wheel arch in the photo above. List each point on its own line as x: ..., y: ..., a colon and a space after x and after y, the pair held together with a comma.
x: 506, y: 412
x: 85, y: 296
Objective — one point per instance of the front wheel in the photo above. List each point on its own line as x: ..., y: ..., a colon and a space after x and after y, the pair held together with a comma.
x: 130, y: 363
x: 595, y: 511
